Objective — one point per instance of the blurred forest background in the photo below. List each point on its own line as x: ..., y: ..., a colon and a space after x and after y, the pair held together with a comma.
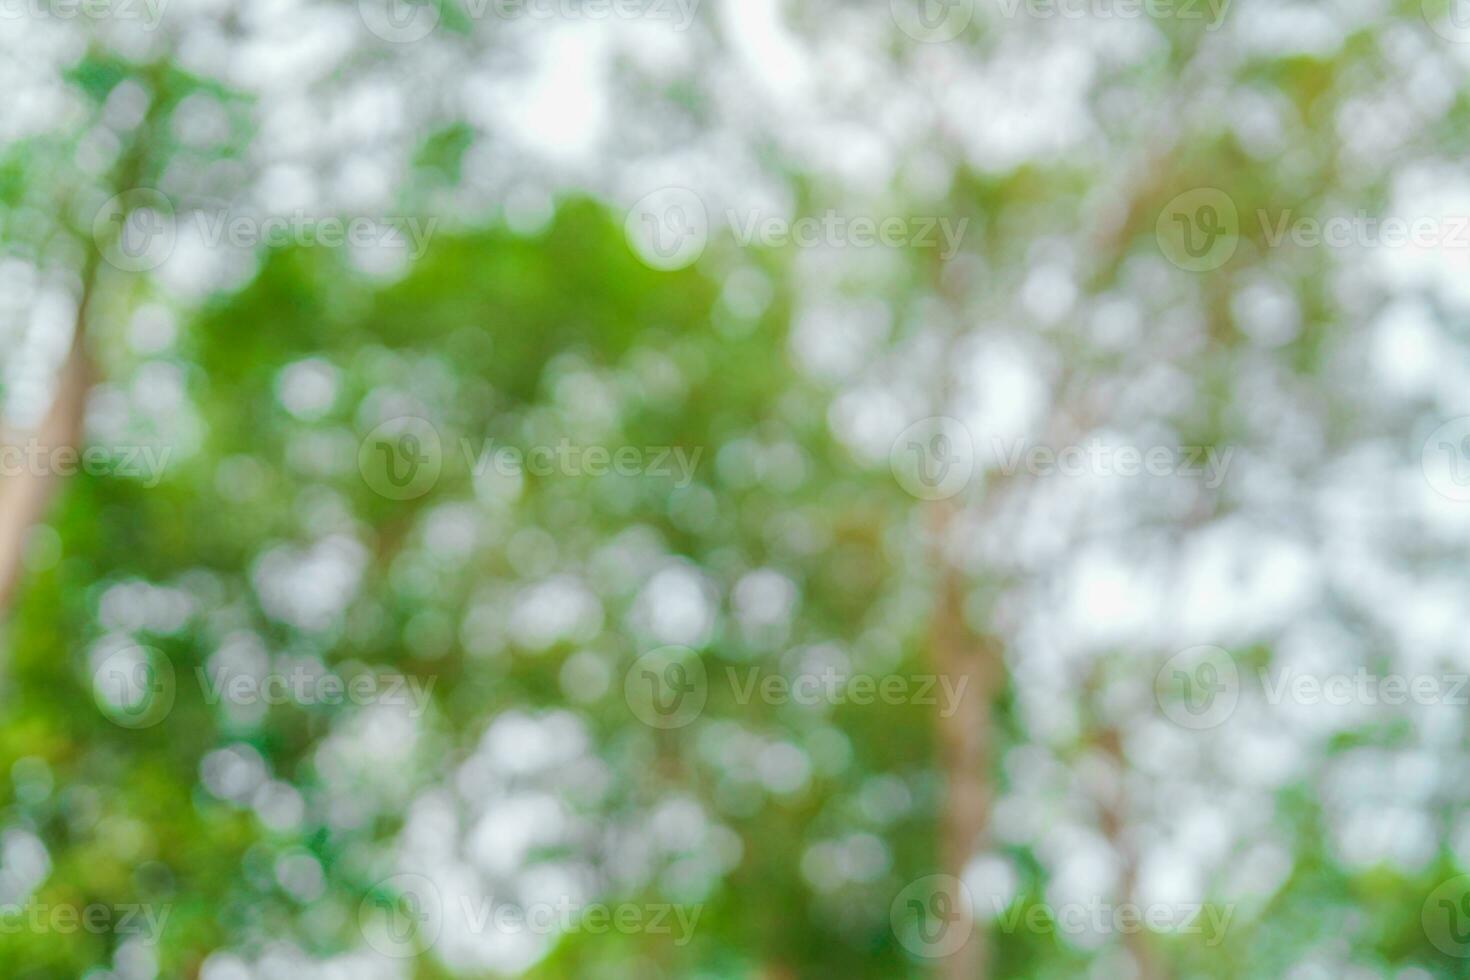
x: 320, y: 282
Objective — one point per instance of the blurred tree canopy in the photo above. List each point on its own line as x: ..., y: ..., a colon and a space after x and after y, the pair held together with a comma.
x: 248, y: 397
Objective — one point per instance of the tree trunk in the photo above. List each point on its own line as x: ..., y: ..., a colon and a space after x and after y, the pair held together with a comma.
x: 964, y: 739
x: 24, y: 496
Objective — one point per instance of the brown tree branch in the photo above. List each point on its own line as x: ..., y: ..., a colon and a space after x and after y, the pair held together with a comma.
x: 973, y: 663
x: 24, y: 497
x: 1113, y: 823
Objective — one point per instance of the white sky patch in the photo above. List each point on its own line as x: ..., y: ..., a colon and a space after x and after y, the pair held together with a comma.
x: 1035, y: 99
x: 559, y: 112
x: 993, y: 882
x: 676, y: 606
x: 1002, y: 396
x: 310, y: 587
x: 30, y: 371
x: 24, y: 864
x: 307, y: 388
x: 1441, y: 193
x: 772, y: 56
x: 1238, y: 583
x: 285, y: 960
x: 1267, y: 312
x: 867, y: 419
x: 1277, y: 29
x: 1111, y: 601
x: 558, y: 609
x: 832, y: 341
x: 290, y: 46
x: 763, y: 602
x: 1408, y: 351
